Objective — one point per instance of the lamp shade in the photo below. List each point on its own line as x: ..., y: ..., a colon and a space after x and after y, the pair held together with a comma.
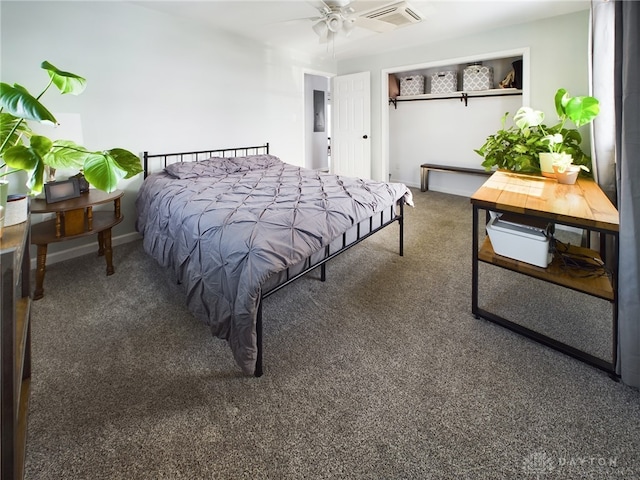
x: 321, y: 28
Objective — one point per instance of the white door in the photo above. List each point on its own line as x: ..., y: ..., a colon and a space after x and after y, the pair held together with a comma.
x: 351, y: 125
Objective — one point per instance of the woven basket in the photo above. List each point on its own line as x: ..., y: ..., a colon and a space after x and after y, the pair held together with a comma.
x: 17, y: 210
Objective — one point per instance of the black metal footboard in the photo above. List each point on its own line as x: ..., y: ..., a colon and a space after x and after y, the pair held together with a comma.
x: 397, y: 215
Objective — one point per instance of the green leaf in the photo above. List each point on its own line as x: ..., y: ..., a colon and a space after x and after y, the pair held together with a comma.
x: 504, y: 119
x: 9, y: 136
x: 572, y: 136
x: 20, y: 103
x: 582, y: 110
x: 561, y: 98
x: 488, y: 164
x: 30, y: 159
x: 22, y: 157
x: 127, y: 161
x: 102, y: 171
x: 519, y: 149
x: 36, y: 179
x: 41, y: 145
x: 66, y: 82
x: 66, y: 154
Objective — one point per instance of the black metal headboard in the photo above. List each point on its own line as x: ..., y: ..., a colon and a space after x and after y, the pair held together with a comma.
x: 165, y: 159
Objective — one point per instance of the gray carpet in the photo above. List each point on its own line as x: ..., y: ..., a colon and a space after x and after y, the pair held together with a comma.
x: 381, y: 372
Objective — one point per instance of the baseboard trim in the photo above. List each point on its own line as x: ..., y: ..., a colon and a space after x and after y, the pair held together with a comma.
x: 81, y: 250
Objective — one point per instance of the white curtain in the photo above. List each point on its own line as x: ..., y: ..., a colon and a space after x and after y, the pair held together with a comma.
x: 603, y: 128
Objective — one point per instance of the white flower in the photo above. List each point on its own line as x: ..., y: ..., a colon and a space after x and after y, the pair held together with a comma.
x: 554, y: 141
x: 528, y: 117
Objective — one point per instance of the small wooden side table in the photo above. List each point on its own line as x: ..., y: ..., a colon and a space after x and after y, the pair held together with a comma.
x: 75, y: 218
x: 582, y: 205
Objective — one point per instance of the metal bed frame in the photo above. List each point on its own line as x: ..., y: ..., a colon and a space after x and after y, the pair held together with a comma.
x: 308, y: 265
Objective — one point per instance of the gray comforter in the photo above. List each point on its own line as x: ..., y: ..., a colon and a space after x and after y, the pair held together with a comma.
x: 224, y: 226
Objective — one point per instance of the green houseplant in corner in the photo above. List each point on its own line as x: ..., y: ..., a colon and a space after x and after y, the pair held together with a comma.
x: 520, y: 147
x: 21, y: 149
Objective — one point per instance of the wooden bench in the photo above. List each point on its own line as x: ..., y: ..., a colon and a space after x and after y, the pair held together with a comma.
x: 426, y: 167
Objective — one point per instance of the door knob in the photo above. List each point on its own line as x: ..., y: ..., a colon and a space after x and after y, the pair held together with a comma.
x: 365, y: 137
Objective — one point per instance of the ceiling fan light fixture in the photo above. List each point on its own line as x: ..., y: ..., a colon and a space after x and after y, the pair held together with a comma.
x: 321, y: 28
x: 334, y: 22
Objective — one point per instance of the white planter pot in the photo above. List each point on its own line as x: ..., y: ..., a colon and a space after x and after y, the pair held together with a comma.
x: 546, y: 162
x: 569, y: 176
x: 17, y: 210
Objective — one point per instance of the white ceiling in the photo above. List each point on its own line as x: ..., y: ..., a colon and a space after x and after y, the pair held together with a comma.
x: 287, y: 23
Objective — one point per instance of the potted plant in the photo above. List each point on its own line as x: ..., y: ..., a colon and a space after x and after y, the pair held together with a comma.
x: 530, y: 143
x: 21, y: 149
x: 565, y: 171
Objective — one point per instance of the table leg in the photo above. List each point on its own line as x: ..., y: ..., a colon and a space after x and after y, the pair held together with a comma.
x: 424, y: 179
x: 108, y: 253
x: 40, y: 270
x: 100, y: 243
x: 474, y: 261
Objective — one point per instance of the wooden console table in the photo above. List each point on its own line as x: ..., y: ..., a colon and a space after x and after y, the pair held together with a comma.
x: 584, y: 206
x: 75, y: 218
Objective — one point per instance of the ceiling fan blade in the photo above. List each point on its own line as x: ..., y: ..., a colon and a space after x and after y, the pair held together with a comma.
x: 301, y: 19
x: 374, y: 25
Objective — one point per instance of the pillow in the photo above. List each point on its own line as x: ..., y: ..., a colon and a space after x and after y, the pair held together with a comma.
x: 255, y: 162
x: 211, y: 167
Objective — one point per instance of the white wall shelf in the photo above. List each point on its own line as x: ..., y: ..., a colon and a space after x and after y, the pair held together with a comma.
x: 459, y: 95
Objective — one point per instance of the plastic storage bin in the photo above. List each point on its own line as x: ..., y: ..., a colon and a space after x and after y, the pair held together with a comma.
x: 520, y: 242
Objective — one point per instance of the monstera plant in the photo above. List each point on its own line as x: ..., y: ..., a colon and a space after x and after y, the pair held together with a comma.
x: 21, y: 149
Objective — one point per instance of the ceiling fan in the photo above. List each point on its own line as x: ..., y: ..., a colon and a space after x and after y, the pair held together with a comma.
x: 340, y: 17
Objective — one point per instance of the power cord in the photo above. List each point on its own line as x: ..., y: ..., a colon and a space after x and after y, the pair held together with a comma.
x: 578, y: 264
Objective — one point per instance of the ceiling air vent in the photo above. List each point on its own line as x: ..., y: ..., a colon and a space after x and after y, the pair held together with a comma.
x: 398, y: 14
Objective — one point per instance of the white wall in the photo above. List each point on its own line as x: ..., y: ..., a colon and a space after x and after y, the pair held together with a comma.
x: 155, y: 83
x: 443, y: 132
x: 558, y: 58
